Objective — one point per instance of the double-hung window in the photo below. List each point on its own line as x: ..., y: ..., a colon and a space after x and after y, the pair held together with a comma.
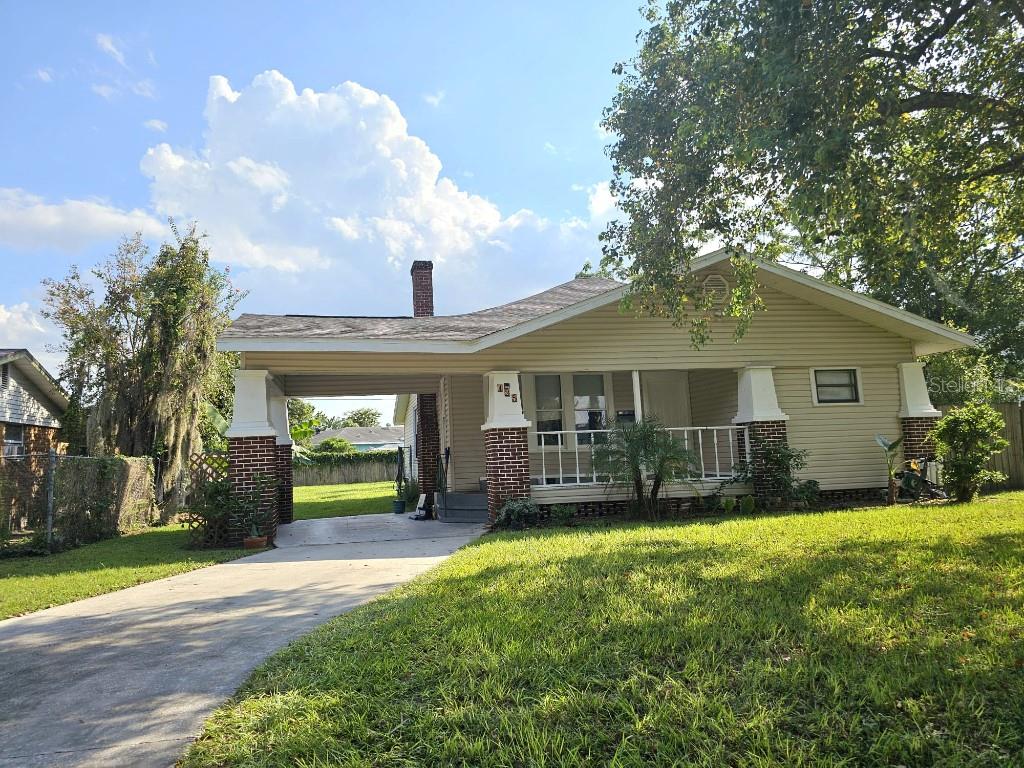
x: 548, y: 395
x: 14, y: 440
x: 833, y: 386
x: 589, y: 405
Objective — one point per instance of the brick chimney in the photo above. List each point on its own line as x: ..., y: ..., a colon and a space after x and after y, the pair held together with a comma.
x: 422, y: 288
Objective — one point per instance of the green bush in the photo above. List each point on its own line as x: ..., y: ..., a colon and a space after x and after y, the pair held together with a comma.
x: 779, y: 465
x: 562, y: 514
x: 517, y: 513
x: 335, y: 445
x: 332, y: 458
x: 748, y: 505
x: 411, y: 490
x: 965, y: 439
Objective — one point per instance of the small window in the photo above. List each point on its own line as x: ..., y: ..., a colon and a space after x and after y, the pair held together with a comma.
x: 14, y: 440
x: 835, y: 385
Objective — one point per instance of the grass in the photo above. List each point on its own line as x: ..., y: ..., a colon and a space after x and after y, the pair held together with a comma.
x: 31, y: 583
x: 316, y: 501
x: 868, y: 637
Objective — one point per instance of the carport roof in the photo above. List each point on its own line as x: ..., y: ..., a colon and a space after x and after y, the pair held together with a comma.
x: 465, y: 327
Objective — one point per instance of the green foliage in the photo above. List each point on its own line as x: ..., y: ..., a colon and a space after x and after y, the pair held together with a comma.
x: 641, y: 457
x: 779, y: 464
x: 361, y: 417
x: 851, y: 638
x: 748, y: 505
x: 879, y: 142
x: 140, y: 353
x: 330, y: 458
x: 335, y: 445
x: 728, y: 504
x: 967, y: 375
x: 562, y: 514
x: 965, y: 439
x: 517, y: 513
x: 892, y: 462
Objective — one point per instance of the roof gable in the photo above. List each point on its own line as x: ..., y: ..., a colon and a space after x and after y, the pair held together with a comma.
x: 23, y: 360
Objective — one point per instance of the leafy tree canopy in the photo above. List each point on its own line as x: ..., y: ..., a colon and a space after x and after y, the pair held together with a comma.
x: 879, y: 142
x: 140, y: 354
x: 335, y: 445
x: 361, y: 417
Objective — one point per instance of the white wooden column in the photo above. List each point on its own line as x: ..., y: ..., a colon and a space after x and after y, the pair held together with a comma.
x: 279, y: 419
x: 638, y: 406
x: 504, y: 405
x: 756, y: 398
x: 251, y: 417
x: 915, y: 401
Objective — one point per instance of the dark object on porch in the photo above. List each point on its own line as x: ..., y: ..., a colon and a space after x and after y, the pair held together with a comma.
x: 461, y: 507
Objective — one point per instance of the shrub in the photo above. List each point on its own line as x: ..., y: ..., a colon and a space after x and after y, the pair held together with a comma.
x: 641, y: 457
x: 728, y: 504
x: 748, y: 505
x: 779, y: 465
x: 411, y: 491
x: 562, y: 514
x: 516, y: 513
x: 333, y: 458
x: 334, y: 445
x: 965, y: 439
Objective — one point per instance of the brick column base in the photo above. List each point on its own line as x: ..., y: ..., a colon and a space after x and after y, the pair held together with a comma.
x: 916, y: 444
x: 428, y: 444
x: 507, y: 457
x: 762, y: 434
x: 252, y: 466
x: 285, y: 475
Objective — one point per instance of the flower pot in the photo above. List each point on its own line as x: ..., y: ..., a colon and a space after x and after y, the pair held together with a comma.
x: 398, y: 506
x: 254, y: 542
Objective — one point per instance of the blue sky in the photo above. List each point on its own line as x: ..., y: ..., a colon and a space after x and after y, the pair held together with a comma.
x: 323, y: 146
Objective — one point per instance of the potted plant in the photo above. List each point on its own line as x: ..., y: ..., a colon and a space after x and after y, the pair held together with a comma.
x: 254, y: 540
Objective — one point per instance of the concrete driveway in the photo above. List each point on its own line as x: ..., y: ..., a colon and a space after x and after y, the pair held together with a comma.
x: 127, y: 679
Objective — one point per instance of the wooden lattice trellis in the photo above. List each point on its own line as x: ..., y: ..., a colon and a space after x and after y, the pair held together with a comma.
x: 208, y: 526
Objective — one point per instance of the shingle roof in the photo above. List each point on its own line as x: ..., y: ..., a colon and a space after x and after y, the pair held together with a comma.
x: 466, y: 327
x: 363, y: 435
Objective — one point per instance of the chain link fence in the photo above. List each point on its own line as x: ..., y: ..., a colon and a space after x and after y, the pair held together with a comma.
x: 51, y: 501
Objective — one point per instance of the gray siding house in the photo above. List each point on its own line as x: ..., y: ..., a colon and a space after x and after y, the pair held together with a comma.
x: 31, y: 405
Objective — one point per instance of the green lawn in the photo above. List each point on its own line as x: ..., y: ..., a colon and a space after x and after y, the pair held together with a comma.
x: 315, y: 501
x: 868, y: 637
x: 30, y: 583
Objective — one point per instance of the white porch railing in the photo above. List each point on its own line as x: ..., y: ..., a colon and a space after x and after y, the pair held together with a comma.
x: 566, y: 456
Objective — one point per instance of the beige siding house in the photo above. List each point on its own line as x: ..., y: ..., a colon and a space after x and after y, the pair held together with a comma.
x: 513, y: 398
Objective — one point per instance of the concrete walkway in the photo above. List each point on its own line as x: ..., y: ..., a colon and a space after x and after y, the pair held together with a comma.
x: 127, y: 679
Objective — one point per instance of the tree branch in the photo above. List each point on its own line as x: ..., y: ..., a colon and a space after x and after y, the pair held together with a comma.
x: 964, y: 102
x: 1000, y: 169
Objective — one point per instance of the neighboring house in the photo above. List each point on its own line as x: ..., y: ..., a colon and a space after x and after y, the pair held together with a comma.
x: 365, y: 438
x: 31, y: 405
x: 518, y: 394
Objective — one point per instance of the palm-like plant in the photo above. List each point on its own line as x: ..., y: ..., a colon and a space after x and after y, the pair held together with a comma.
x: 641, y: 457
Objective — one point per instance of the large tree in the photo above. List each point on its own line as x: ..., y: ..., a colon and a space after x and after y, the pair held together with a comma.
x: 361, y: 417
x: 881, y: 143
x: 140, y: 356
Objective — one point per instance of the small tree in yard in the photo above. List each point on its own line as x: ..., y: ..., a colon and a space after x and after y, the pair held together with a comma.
x: 965, y: 439
x: 642, y: 457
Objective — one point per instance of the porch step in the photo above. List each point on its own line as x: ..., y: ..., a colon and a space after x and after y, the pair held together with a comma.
x: 461, y: 507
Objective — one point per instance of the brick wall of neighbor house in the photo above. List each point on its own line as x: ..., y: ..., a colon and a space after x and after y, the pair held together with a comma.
x: 915, y: 430
x: 251, y: 459
x: 428, y: 443
x: 285, y: 481
x: 508, y: 467
x: 762, y: 433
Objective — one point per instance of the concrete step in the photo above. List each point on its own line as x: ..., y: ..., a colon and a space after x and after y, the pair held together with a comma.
x: 461, y: 507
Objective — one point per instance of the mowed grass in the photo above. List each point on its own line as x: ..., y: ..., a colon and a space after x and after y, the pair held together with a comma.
x: 868, y: 637
x: 31, y: 583
x: 316, y: 501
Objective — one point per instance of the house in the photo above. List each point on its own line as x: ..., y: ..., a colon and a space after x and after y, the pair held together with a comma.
x: 365, y: 438
x: 513, y: 398
x: 31, y: 405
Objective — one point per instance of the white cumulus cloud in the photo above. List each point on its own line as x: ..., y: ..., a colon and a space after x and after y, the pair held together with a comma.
x: 28, y: 222
x: 44, y: 75
x: 156, y: 125
x: 23, y: 328
x: 434, y: 99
